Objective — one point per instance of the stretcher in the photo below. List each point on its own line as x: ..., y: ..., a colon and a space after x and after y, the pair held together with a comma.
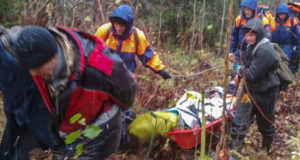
x: 189, y: 135
x: 182, y: 123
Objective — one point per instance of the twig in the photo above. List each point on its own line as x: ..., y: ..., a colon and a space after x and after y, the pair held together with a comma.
x: 195, y: 74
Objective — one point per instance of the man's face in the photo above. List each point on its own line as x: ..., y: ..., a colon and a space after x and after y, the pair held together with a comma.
x: 46, y: 70
x: 248, y: 12
x: 250, y: 38
x: 282, y: 16
x: 120, y: 28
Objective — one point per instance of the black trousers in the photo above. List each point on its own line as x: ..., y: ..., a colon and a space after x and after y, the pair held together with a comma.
x: 102, y: 146
x: 245, y: 112
x: 26, y: 141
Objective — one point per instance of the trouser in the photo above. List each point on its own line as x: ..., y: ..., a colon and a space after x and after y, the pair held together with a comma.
x: 25, y: 142
x: 17, y: 142
x: 294, y: 63
x: 243, y: 116
x: 127, y: 117
x: 245, y: 111
x: 104, y: 144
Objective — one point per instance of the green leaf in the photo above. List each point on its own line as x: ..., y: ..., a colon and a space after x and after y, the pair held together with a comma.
x: 88, y: 19
x: 72, y: 137
x: 209, y: 27
x: 82, y: 121
x: 92, y: 131
x: 118, y: 1
x: 75, y: 118
x: 78, y: 150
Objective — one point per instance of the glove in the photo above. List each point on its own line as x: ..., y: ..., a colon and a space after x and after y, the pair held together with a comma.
x: 236, y: 80
x: 240, y: 71
x: 165, y: 75
x: 231, y: 57
x: 238, y: 76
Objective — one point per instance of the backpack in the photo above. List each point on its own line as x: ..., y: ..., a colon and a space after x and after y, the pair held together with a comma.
x: 264, y: 11
x: 295, y: 9
x: 283, y: 72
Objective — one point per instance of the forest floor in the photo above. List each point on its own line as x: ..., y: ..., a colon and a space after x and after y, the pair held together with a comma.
x: 154, y: 93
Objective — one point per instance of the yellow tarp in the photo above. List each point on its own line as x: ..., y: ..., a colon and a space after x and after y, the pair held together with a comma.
x: 157, y: 123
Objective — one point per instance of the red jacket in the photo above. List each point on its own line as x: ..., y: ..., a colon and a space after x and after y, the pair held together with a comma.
x: 100, y: 79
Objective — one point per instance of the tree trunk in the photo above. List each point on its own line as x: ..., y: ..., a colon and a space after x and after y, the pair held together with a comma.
x: 192, y: 41
x: 63, y: 12
x: 101, y: 12
x: 222, y: 142
x: 92, y: 16
x: 160, y: 19
x: 222, y: 24
x: 203, y: 15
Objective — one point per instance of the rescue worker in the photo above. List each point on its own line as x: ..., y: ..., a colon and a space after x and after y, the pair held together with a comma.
x: 127, y: 41
x: 27, y: 119
x: 287, y: 35
x: 262, y: 83
x: 76, y: 74
x: 238, y: 45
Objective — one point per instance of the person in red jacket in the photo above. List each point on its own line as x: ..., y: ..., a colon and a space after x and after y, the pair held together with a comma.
x: 76, y: 74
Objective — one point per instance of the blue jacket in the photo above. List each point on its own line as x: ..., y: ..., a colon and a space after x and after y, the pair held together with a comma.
x: 237, y: 34
x: 23, y: 105
x: 287, y: 32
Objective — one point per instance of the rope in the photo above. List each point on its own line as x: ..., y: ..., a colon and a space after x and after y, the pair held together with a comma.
x: 195, y: 74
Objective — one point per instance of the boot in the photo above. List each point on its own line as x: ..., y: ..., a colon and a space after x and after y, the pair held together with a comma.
x: 266, y: 143
x: 237, y: 145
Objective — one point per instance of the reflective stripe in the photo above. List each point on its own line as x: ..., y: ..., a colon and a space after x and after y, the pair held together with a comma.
x: 238, y: 21
x: 103, y: 30
x: 155, y: 63
x: 294, y: 6
x: 271, y: 19
x: 265, y: 21
x: 129, y: 48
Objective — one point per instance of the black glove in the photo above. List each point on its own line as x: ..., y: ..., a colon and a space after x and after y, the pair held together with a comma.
x: 239, y: 72
x: 165, y: 75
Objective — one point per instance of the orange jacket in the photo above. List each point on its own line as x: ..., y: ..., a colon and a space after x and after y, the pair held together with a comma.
x: 127, y: 49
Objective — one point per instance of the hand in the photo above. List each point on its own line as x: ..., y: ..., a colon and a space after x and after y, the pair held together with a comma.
x: 165, y: 75
x: 231, y: 57
x: 236, y: 80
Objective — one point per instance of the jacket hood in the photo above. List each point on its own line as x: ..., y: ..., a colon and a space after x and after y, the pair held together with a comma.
x: 256, y: 25
x: 252, y: 4
x: 125, y: 13
x: 283, y: 8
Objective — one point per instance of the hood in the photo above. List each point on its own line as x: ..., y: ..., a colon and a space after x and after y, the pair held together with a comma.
x: 283, y: 8
x: 256, y: 25
x: 124, y: 12
x: 252, y: 4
